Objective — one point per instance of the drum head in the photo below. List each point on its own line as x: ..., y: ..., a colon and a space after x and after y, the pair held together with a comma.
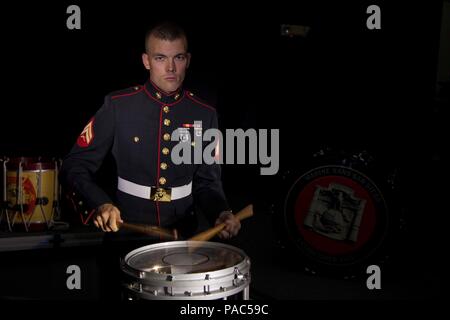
x: 186, y: 257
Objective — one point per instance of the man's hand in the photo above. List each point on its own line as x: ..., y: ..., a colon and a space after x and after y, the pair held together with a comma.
x: 107, y: 217
x: 232, y: 225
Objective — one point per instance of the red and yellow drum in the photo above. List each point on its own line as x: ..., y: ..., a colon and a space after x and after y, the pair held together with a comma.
x: 30, y: 192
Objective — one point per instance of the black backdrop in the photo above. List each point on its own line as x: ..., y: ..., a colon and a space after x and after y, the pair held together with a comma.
x: 342, y: 84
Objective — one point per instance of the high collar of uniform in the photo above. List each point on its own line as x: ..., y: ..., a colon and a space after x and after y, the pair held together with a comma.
x: 160, y: 95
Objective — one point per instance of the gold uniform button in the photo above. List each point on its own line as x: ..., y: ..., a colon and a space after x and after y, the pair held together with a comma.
x: 166, y: 122
x: 177, y: 96
x: 162, y: 180
x: 136, y: 88
x: 165, y: 151
x: 136, y: 139
x: 158, y: 95
x: 166, y: 137
x: 163, y: 165
x: 166, y: 109
x: 191, y: 94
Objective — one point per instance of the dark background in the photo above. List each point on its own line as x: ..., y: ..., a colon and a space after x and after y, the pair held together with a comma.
x: 342, y: 84
x: 342, y: 87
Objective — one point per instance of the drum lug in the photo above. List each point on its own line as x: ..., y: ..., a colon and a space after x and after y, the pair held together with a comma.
x: 206, y: 289
x: 238, y: 274
x: 238, y: 277
x: 135, y: 286
x: 169, y: 291
x: 188, y: 293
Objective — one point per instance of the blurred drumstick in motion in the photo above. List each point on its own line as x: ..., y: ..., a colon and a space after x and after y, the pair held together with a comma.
x: 208, y: 234
x: 150, y: 230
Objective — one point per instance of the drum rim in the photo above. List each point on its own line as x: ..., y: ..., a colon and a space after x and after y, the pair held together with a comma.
x: 157, y: 279
x: 30, y: 163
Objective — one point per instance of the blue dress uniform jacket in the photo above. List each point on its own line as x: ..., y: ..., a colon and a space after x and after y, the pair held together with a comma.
x: 135, y: 124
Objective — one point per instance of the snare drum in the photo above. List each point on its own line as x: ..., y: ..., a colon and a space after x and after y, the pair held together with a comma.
x: 186, y: 270
x: 31, y: 192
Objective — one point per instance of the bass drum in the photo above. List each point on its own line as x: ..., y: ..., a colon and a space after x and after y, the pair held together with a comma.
x: 341, y: 213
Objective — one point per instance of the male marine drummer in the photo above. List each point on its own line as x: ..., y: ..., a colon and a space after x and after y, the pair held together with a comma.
x: 135, y: 125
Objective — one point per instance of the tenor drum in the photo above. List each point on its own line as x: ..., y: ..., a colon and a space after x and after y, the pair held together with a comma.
x: 30, y: 193
x: 186, y: 270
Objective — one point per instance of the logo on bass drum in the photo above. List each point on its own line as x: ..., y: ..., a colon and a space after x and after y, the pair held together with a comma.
x: 336, y: 216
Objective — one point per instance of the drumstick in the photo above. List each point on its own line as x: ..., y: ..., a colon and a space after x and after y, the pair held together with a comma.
x: 208, y: 234
x: 150, y: 230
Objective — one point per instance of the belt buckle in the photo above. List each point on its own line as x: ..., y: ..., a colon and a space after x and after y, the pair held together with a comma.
x: 161, y: 194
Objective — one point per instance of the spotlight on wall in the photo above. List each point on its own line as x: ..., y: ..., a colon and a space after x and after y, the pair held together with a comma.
x: 292, y: 30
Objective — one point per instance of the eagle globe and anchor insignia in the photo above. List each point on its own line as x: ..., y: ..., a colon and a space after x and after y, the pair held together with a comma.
x: 337, y: 217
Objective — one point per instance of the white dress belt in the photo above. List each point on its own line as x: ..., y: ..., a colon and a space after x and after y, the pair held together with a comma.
x: 145, y: 192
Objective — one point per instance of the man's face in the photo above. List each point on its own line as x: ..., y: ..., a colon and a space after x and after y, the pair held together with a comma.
x: 167, y: 62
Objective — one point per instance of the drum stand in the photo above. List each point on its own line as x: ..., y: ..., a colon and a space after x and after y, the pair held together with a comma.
x: 4, y: 204
x: 56, y: 210
x: 40, y: 201
x: 19, y: 197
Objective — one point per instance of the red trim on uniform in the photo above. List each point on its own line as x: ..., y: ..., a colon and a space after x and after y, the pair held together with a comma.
x: 75, y: 207
x: 159, y: 159
x: 161, y: 102
x: 127, y: 94
x: 158, y: 89
x: 85, y: 222
x: 201, y: 103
